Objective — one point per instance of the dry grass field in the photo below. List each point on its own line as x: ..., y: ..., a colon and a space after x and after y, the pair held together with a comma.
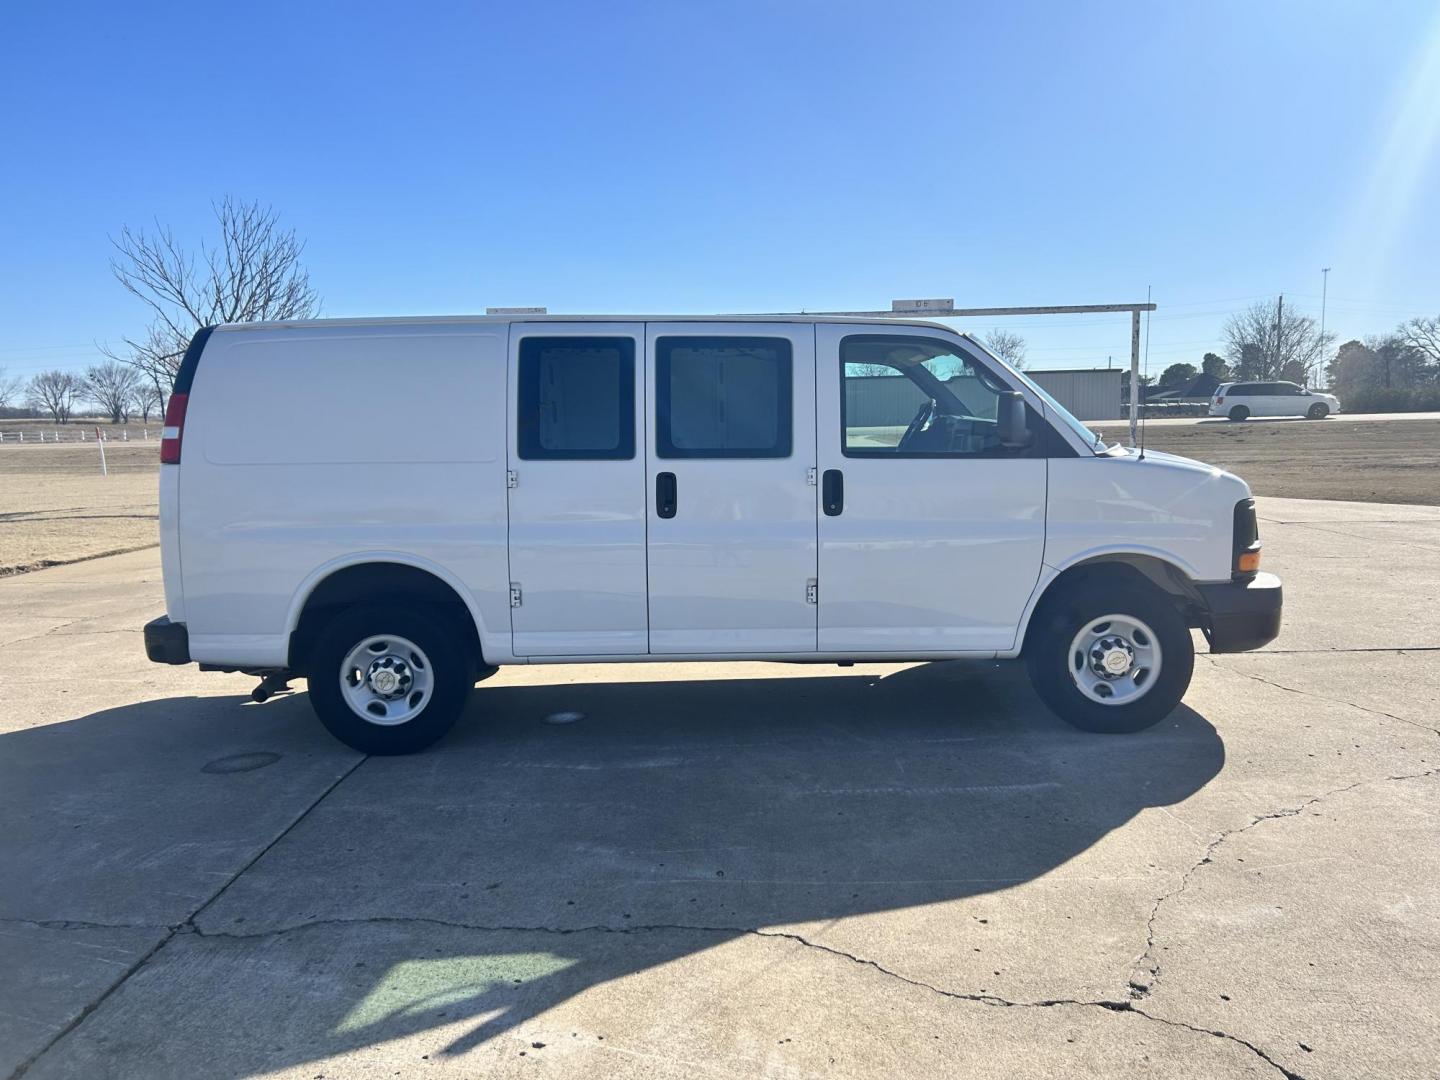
x: 1384, y: 460
x: 55, y: 507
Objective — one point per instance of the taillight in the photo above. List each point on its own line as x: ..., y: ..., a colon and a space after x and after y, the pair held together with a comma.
x: 174, y: 429
x: 1220, y: 399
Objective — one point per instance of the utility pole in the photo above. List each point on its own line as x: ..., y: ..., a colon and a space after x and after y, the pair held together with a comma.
x: 1324, y: 293
x: 1134, y: 374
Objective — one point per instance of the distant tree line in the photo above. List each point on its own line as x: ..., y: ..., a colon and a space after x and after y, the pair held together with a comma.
x: 111, y: 389
x: 1270, y: 342
x: 1390, y: 372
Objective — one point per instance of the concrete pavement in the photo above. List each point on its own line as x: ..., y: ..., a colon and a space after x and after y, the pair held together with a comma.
x: 735, y: 869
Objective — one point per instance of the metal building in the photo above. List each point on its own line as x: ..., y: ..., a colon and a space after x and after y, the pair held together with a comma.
x: 1089, y: 393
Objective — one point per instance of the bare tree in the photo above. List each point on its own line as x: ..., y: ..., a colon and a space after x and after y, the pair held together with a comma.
x: 1008, y: 346
x: 111, y: 385
x: 10, y: 386
x: 145, y: 400
x: 1422, y: 335
x: 253, y: 273
x: 55, y: 392
x: 1264, y: 338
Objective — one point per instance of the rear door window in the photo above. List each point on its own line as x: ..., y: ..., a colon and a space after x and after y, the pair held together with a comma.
x: 576, y: 398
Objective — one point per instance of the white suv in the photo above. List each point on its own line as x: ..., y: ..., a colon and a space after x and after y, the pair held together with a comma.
x: 1241, y: 400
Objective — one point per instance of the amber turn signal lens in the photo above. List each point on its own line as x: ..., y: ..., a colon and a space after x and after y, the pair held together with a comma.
x: 1248, y: 562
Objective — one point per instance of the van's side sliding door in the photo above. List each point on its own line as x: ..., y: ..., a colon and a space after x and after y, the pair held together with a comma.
x: 730, y: 444
x: 577, y: 504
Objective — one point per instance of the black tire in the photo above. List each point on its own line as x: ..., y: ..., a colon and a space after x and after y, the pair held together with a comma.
x: 1047, y: 656
x: 452, y: 676
x: 1240, y: 412
x: 1318, y: 411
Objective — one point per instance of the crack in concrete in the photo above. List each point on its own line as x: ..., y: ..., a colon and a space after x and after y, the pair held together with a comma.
x: 1400, y: 649
x: 1146, y: 966
x: 1046, y: 1003
x: 990, y: 1000
x: 172, y: 931
x: 1325, y: 697
x: 1138, y: 991
x: 81, y: 924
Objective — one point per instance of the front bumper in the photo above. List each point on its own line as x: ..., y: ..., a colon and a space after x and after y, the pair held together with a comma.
x: 167, y: 642
x: 1241, y: 615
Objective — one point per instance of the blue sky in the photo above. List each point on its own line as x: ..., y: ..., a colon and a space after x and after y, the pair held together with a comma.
x: 691, y: 157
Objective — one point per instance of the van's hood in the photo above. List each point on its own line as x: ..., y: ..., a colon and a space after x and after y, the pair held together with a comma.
x: 1160, y: 459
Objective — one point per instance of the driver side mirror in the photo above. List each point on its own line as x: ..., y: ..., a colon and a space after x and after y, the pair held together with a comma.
x: 1010, y: 420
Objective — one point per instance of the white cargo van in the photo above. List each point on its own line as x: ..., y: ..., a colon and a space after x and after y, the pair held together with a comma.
x: 392, y: 508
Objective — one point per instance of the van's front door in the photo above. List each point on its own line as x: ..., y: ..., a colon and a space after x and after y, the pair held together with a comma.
x: 730, y: 444
x: 576, y: 489
x: 931, y: 533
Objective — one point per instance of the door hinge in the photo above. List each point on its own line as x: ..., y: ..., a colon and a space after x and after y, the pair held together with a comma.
x: 512, y: 478
x: 810, y: 477
x: 812, y: 591
x: 515, y: 594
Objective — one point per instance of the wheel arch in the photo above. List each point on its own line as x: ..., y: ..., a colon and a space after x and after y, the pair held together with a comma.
x: 378, y: 577
x: 1120, y: 567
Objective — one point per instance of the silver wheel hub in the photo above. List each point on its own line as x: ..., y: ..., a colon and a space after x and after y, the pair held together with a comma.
x: 1112, y: 657
x: 386, y: 680
x: 1115, y: 659
x: 389, y: 677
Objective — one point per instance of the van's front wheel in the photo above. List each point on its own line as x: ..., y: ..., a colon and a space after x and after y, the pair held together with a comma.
x: 387, y: 680
x: 1111, y: 659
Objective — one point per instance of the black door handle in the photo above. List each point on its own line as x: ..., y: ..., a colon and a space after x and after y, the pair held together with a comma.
x: 832, y: 492
x: 665, y: 494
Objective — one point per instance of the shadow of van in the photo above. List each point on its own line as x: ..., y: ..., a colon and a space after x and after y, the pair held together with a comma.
x: 521, y: 863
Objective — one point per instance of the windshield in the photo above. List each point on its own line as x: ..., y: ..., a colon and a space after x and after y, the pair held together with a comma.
x: 1060, y: 412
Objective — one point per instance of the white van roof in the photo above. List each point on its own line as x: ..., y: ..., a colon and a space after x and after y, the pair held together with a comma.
x: 463, y: 320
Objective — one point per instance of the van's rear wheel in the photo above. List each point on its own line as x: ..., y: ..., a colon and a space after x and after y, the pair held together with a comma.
x: 1318, y: 411
x: 1239, y: 412
x: 1111, y: 658
x: 388, y: 680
